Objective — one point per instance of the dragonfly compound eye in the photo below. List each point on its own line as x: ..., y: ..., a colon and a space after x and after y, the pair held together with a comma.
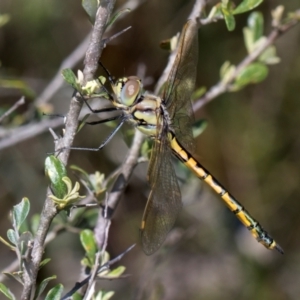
x: 131, y: 90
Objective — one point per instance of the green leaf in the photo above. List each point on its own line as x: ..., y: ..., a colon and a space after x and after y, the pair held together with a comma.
x: 92, y: 88
x: 20, y: 212
x: 253, y: 73
x: 102, y: 295
x: 18, y: 84
x: 199, y: 127
x: 146, y: 148
x: 55, y: 293
x: 229, y: 19
x: 253, y: 34
x: 7, y: 292
x: 256, y: 24
x: 42, y: 286
x: 97, y: 181
x: 18, y: 276
x: 226, y: 72
x: 115, y: 273
x: 88, y: 242
x: 86, y: 262
x: 247, y: 5
x: 224, y: 68
x: 4, y: 19
x: 105, y: 258
x: 116, y: 16
x: 198, y: 93
x: 80, y: 170
x: 12, y: 236
x: 224, y: 3
x: 107, y: 295
x: 70, y: 78
x: 277, y: 14
x: 35, y: 220
x: 55, y: 171
x: 91, y: 7
x: 71, y: 196
x: 44, y: 262
x: 76, y: 296
x: 248, y: 39
x: 269, y: 56
x: 84, y: 176
x: 215, y: 12
x: 7, y: 243
x: 82, y: 122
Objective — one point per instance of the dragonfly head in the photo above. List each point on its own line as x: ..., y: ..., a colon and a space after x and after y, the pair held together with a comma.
x: 128, y: 90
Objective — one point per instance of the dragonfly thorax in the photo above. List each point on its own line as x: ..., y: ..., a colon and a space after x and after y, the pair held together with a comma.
x: 148, y: 114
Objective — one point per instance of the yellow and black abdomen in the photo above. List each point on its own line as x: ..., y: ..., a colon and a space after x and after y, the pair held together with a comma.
x: 252, y: 225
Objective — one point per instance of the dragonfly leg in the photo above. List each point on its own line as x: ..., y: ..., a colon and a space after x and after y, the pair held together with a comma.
x: 103, y: 121
x: 110, y: 78
x: 97, y: 111
x: 110, y: 136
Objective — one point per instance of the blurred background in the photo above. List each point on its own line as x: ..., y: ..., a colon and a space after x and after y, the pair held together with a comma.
x: 251, y: 144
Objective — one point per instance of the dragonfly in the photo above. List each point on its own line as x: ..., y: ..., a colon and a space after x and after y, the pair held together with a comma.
x: 166, y: 119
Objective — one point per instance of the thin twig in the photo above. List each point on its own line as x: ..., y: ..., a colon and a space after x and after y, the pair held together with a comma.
x: 107, y: 224
x: 210, y: 20
x: 13, y: 136
x: 222, y: 87
x: 118, y: 189
x: 91, y: 283
x: 16, y: 135
x: 197, y: 9
x: 57, y: 81
x: 94, y: 50
x: 91, y: 60
x: 13, y: 108
x: 99, y: 254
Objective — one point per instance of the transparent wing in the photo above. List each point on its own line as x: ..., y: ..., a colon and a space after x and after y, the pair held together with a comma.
x: 164, y: 202
x: 180, y: 85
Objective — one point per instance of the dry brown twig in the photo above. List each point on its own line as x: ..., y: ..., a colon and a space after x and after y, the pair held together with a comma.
x: 20, y: 102
x: 49, y: 210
